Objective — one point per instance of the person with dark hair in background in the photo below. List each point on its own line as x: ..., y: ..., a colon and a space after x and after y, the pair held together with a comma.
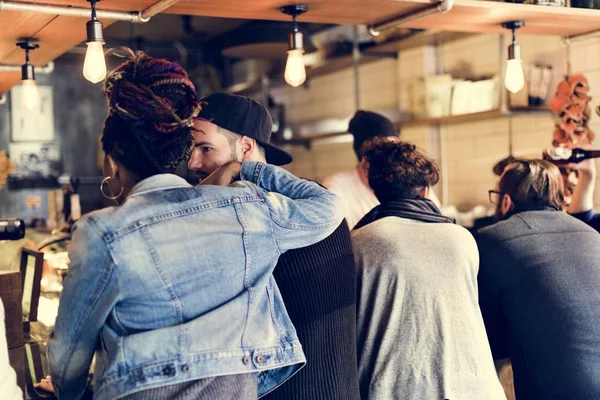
x: 317, y: 283
x: 352, y: 186
x: 173, y: 288
x: 420, y: 331
x: 539, y: 285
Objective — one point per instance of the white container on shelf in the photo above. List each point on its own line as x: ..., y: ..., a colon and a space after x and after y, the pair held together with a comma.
x: 461, y: 98
x: 484, y: 95
x: 430, y: 97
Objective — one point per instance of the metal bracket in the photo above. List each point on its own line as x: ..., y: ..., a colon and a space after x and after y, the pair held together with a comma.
x: 440, y: 7
x: 567, y: 39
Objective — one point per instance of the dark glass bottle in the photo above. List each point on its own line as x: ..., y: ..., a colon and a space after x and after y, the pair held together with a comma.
x: 563, y: 155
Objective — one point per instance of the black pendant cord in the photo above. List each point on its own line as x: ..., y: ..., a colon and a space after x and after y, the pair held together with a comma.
x: 93, y: 4
x: 27, y: 70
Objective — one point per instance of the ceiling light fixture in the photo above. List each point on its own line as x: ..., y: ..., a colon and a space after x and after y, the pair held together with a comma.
x: 295, y: 72
x: 94, y: 67
x: 514, y: 79
x: 30, y: 97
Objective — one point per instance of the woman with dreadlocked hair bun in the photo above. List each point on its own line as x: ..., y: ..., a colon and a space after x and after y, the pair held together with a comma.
x: 151, y: 106
x: 173, y: 288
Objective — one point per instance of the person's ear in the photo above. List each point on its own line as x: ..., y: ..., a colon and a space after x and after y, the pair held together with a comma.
x: 507, y: 204
x: 113, y: 169
x: 248, y: 148
x: 109, y: 166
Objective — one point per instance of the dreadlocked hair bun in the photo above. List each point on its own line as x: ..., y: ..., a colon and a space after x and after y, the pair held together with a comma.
x: 151, y: 107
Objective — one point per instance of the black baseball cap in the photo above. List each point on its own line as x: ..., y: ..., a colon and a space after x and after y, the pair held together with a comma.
x: 366, y: 125
x: 245, y: 117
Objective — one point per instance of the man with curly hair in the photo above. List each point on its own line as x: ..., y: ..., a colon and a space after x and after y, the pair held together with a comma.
x: 420, y: 331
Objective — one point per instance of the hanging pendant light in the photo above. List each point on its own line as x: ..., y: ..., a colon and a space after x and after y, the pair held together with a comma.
x: 94, y: 67
x: 514, y: 79
x: 295, y: 71
x: 30, y: 97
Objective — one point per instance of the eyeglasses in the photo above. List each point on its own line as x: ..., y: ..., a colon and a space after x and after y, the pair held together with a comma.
x: 495, y: 196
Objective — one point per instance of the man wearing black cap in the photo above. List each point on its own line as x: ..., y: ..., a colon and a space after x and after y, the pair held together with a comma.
x: 352, y: 186
x: 317, y: 283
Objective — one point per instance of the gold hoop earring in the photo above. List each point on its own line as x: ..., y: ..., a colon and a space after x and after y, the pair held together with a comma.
x: 104, y: 181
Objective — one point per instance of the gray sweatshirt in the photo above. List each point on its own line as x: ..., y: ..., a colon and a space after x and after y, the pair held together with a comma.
x: 420, y: 330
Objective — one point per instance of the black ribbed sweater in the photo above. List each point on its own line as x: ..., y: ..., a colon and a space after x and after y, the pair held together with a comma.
x: 318, y: 286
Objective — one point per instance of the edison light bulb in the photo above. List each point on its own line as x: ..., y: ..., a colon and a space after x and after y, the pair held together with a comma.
x: 30, y: 97
x: 514, y: 80
x: 94, y: 67
x: 295, y: 73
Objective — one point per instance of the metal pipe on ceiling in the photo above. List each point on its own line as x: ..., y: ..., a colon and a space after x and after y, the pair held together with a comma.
x: 135, y: 16
x: 440, y: 7
x: 44, y: 70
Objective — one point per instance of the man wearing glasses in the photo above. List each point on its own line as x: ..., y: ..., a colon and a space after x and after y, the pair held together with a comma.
x: 539, y: 286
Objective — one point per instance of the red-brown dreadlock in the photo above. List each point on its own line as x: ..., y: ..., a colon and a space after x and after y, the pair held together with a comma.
x: 151, y: 106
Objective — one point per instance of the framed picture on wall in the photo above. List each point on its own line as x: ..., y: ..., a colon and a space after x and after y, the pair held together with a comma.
x: 38, y: 165
x: 36, y: 125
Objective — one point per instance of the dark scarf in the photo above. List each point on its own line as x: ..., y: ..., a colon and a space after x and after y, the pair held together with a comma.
x: 419, y: 209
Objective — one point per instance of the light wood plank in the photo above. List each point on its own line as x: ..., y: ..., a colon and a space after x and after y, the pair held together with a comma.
x: 466, y: 15
x: 486, y: 16
x: 8, y: 80
x: 55, y: 35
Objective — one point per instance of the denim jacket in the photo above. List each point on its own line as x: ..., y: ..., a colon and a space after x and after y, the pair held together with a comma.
x: 176, y: 284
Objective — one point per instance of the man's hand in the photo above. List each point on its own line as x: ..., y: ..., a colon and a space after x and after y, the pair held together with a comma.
x: 583, y: 195
x: 45, y: 384
x: 224, y: 175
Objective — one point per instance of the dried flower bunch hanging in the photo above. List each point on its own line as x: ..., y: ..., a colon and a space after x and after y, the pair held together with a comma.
x: 6, y: 168
x: 571, y: 104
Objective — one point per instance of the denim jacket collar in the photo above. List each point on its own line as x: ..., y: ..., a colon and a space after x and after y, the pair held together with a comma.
x: 158, y: 182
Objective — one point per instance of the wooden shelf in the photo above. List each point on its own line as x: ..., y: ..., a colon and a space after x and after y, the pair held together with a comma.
x: 457, y: 119
x: 450, y: 119
x: 324, y: 67
x: 417, y: 39
x: 331, y: 65
x: 466, y: 15
x: 486, y: 16
x: 447, y: 120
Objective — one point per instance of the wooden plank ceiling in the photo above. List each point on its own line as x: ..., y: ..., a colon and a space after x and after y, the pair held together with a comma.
x: 56, y: 34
